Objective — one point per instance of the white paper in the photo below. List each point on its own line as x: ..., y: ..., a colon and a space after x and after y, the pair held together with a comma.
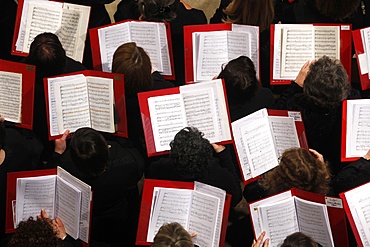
x: 11, y: 96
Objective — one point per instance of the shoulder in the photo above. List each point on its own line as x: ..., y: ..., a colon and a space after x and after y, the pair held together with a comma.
x: 73, y: 66
x: 159, y: 82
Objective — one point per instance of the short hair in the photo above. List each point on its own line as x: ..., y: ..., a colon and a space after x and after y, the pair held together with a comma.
x: 2, y: 135
x: 172, y: 235
x: 298, y: 168
x: 47, y: 53
x: 251, y: 12
x: 158, y: 10
x: 192, y: 153
x: 240, y: 80
x: 337, y: 9
x: 326, y: 84
x: 35, y: 233
x: 134, y: 63
x: 89, y: 152
x: 298, y: 239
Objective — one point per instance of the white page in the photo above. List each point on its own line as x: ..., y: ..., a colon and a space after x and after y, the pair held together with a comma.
x: 172, y: 205
x: 313, y: 220
x: 110, y: 38
x: 167, y: 115
x: 238, y: 45
x: 195, y: 39
x: 101, y: 103
x: 327, y: 41
x: 165, y: 51
x: 284, y: 133
x: 34, y: 194
x: 365, y: 34
x: 68, y: 206
x: 358, y: 127
x: 363, y: 211
x: 11, y: 96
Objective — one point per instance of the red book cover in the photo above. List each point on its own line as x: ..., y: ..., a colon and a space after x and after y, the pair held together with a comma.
x: 360, y: 51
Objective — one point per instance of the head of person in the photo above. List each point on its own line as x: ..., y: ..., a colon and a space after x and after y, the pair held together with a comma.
x: 326, y: 84
x: 134, y: 63
x: 172, y: 235
x: 298, y: 239
x: 89, y: 152
x: 337, y: 9
x: 298, y: 168
x: 48, y: 54
x: 158, y: 10
x: 191, y: 152
x: 35, y: 233
x: 240, y: 80
x: 251, y: 12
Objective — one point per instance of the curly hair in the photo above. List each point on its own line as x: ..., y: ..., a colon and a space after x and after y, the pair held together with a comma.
x: 172, y: 235
x: 192, y: 154
x: 326, y: 84
x: 337, y: 9
x: 35, y: 233
x: 240, y: 80
x: 298, y: 239
x: 158, y: 10
x: 298, y: 168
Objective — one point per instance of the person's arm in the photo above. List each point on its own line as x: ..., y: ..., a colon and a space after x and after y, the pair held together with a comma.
x: 60, y: 147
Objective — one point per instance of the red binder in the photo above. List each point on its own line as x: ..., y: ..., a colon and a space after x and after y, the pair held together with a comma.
x: 119, y: 99
x: 28, y: 89
x: 336, y: 213
x: 146, y: 203
x: 359, y: 49
x: 345, y: 50
x: 95, y: 47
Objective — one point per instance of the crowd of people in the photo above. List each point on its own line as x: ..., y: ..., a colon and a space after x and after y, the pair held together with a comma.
x: 114, y: 166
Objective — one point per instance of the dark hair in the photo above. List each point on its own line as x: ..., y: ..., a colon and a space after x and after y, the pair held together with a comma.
x: 2, y: 135
x: 89, y: 152
x: 35, y: 233
x: 240, y: 80
x: 172, y: 235
x: 326, y: 84
x: 192, y: 154
x: 134, y: 63
x: 251, y: 12
x: 337, y: 9
x: 298, y: 239
x: 47, y: 53
x: 158, y: 10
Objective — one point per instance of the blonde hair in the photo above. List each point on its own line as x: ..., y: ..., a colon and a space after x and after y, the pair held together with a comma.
x: 172, y: 235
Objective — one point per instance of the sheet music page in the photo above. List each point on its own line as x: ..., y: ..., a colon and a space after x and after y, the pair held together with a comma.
x: 101, y: 99
x: 313, y: 220
x: 284, y: 133
x: 165, y: 51
x: 40, y: 19
x: 172, y: 205
x: 238, y: 44
x: 365, y: 35
x: 297, y: 47
x: 68, y: 206
x: 86, y: 198
x: 327, y: 41
x: 358, y: 127
x: 11, y: 96
x: 34, y: 194
x: 146, y: 35
x: 221, y: 195
x: 167, y: 115
x: 72, y: 104
x: 110, y: 38
x: 203, y: 217
x: 195, y: 43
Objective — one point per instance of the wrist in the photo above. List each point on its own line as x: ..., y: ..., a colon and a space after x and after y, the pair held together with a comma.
x: 367, y: 157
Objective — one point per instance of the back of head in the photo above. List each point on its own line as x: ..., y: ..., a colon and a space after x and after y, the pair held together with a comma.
x: 47, y: 53
x: 337, y: 9
x: 89, y: 152
x: 299, y: 239
x: 240, y: 80
x: 326, y: 84
x: 134, y: 63
x: 192, y: 154
x: 172, y: 235
x: 158, y: 10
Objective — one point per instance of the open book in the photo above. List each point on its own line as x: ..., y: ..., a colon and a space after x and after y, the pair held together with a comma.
x: 357, y: 207
x: 61, y: 195
x: 283, y: 214
x: 261, y: 139
x: 361, y: 40
x: 68, y: 21
x: 355, y: 129
x: 200, y: 105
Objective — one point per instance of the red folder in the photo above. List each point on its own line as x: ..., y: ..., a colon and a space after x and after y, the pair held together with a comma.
x: 95, y: 47
x: 119, y: 99
x: 146, y: 203
x: 28, y: 89
x: 359, y: 49
x: 345, y: 50
x: 336, y: 214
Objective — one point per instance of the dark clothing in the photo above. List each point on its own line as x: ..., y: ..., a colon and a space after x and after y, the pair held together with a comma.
x: 222, y: 174
x: 127, y: 9
x: 219, y: 15
x: 8, y: 13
